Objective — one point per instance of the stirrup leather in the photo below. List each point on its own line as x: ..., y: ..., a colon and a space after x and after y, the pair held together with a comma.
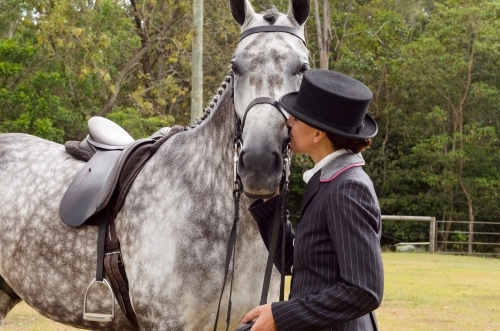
x: 97, y: 317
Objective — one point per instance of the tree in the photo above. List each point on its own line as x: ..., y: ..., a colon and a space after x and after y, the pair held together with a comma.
x: 323, y: 32
x: 444, y: 63
x: 95, y: 57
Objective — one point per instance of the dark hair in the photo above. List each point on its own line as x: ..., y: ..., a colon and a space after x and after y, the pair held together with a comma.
x: 354, y: 145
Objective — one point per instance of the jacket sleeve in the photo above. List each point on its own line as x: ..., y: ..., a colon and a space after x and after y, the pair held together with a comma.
x: 264, y: 213
x: 353, y: 222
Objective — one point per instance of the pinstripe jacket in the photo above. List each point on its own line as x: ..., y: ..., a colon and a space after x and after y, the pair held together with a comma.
x: 334, y: 255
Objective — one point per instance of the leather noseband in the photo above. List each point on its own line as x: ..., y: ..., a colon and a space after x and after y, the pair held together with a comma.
x: 262, y: 100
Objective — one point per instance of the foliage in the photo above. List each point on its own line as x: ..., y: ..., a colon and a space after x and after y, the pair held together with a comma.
x: 432, y: 66
x: 62, y: 62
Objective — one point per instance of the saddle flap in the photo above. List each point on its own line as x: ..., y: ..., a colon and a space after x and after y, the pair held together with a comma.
x: 80, y: 200
x: 124, y: 166
x: 91, y: 190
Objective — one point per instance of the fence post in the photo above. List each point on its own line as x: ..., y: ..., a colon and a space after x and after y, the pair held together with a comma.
x: 471, y: 235
x: 432, y: 235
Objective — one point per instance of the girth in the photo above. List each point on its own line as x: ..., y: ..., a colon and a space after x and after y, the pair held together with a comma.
x: 8, y: 290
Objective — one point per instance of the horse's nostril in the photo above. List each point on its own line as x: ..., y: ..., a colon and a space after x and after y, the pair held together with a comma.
x: 277, y: 162
x: 241, y: 165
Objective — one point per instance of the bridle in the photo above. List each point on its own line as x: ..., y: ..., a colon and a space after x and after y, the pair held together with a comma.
x: 280, y: 217
x: 239, y: 125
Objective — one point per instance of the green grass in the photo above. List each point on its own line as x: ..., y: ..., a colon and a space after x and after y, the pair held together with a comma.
x: 25, y: 318
x: 426, y: 292
x: 423, y: 292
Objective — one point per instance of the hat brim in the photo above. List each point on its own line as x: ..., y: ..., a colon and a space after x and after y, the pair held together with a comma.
x: 289, y: 104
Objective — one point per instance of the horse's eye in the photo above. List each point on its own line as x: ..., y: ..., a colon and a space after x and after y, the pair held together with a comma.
x: 234, y: 68
x: 303, y: 68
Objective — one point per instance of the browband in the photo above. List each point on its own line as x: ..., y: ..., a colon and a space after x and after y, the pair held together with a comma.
x: 273, y: 28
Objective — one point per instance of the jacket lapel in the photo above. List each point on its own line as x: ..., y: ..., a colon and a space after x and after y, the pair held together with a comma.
x: 311, y: 190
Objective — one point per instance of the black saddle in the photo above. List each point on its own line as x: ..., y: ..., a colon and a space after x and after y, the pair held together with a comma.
x: 114, y: 160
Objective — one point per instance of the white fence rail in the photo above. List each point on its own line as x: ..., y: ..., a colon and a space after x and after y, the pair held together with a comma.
x: 434, y: 233
x: 470, y: 237
x: 432, y: 226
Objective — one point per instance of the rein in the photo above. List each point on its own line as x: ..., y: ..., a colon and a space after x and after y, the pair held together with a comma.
x: 280, y: 216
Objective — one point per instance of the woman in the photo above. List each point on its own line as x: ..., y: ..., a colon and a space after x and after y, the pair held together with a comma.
x: 334, y: 255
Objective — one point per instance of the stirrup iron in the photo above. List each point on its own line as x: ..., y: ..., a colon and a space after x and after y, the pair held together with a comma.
x: 97, y: 317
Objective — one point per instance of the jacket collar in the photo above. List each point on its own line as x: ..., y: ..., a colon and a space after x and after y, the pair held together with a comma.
x: 328, y: 173
x: 339, y: 164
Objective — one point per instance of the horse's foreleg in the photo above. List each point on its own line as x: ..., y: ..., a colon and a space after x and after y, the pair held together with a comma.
x: 6, y: 304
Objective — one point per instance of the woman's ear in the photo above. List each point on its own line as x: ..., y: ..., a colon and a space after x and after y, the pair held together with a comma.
x: 318, y: 136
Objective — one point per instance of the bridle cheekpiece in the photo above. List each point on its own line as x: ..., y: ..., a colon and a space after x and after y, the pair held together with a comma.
x: 238, y: 187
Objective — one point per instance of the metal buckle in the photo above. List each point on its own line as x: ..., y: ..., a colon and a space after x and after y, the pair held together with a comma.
x: 287, y: 163
x: 237, y: 147
x: 97, y: 317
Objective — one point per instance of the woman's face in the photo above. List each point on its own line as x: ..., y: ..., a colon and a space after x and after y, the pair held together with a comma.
x: 301, y: 135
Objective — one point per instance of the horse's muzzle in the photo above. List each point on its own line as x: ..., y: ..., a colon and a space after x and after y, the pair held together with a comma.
x: 260, y: 173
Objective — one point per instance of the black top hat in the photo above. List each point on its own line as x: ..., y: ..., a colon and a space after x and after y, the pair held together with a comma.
x: 334, y: 103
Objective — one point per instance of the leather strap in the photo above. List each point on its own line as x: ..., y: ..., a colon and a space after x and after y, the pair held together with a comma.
x: 101, y: 238
x: 374, y: 321
x: 4, y: 287
x: 230, y: 253
x: 274, y: 28
x: 283, y: 244
x: 272, y: 251
x: 120, y: 276
x: 278, y: 217
x: 261, y: 100
x: 115, y: 270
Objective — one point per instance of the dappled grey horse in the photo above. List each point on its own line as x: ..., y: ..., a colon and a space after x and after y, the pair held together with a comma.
x: 175, y: 222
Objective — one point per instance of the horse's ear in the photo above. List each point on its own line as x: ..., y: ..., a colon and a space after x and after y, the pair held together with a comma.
x: 241, y: 10
x: 299, y: 10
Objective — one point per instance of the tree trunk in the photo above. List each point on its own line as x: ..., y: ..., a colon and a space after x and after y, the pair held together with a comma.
x: 197, y: 69
x: 323, y: 32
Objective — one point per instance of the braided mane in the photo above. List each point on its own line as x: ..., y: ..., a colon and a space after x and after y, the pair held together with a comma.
x: 212, y: 103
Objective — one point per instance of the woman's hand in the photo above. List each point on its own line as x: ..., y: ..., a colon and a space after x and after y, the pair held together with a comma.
x: 264, y: 320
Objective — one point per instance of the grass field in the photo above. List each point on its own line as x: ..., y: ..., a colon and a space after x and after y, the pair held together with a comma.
x: 423, y: 292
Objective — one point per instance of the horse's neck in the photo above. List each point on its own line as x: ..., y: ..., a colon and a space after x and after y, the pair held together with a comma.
x: 218, y: 126
x: 201, y: 156
x: 213, y: 137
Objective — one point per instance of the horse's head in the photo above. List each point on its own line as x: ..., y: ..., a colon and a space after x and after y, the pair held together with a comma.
x: 266, y: 64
